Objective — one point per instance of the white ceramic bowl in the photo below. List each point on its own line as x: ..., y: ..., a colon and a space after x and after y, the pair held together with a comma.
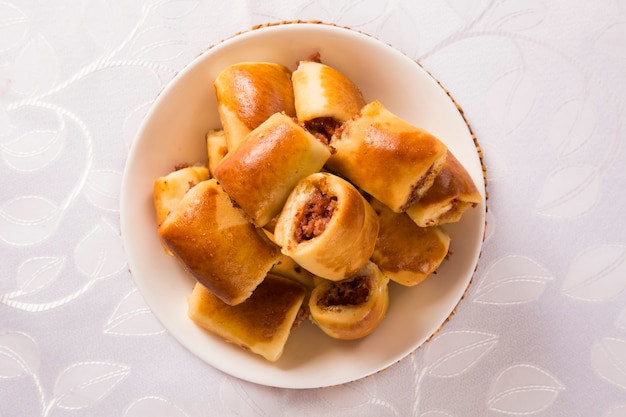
x: 174, y: 131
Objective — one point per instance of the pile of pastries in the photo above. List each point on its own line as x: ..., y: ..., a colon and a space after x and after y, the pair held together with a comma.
x: 311, y: 202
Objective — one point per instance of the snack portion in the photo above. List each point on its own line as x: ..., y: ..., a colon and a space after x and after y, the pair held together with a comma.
x: 261, y: 324
x: 452, y: 193
x: 353, y: 307
x: 405, y: 252
x: 327, y: 227
x: 248, y: 93
x: 261, y: 172
x: 169, y: 189
x: 389, y: 158
x: 217, y: 244
x: 312, y: 203
x: 324, y: 97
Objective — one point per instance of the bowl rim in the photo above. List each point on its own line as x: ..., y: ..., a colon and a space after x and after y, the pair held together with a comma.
x: 195, y: 61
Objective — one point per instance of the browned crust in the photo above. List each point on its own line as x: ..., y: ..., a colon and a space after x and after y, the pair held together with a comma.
x: 460, y: 110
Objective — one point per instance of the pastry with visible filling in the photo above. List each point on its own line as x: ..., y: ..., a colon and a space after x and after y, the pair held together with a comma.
x: 261, y: 172
x: 216, y: 243
x: 261, y: 324
x: 386, y: 156
x: 353, y: 307
x: 405, y: 252
x: 452, y: 193
x: 248, y: 93
x: 324, y: 97
x: 327, y: 227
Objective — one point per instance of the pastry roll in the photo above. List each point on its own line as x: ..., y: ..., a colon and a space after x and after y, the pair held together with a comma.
x: 327, y: 227
x: 405, y: 252
x: 288, y: 268
x: 216, y: 148
x: 261, y: 324
x: 248, y: 93
x: 168, y: 190
x: 217, y: 244
x: 262, y: 171
x: 452, y: 193
x: 324, y: 97
x: 386, y: 156
x: 353, y: 307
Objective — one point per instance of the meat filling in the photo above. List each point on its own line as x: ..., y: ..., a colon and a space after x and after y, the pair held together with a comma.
x: 353, y: 291
x: 322, y: 127
x: 314, y: 216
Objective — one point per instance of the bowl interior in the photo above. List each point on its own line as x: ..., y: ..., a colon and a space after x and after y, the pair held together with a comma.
x: 174, y: 132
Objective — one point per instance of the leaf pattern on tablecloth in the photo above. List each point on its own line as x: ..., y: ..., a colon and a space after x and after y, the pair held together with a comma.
x: 596, y: 274
x: 38, y: 272
x: 572, y: 126
x: 34, y: 150
x: 102, y: 189
x: 352, y: 395
x: 154, y: 407
x: 13, y: 26
x: 132, y: 317
x: 611, y: 42
x: 28, y: 220
x: 100, y: 253
x: 245, y: 399
x: 511, y: 98
x: 470, y: 9
x: 512, y: 279
x: 608, y: 359
x: 452, y: 353
x: 157, y: 44
x: 569, y: 191
x: 19, y: 355
x: 517, y: 15
x: 523, y: 389
x: 82, y: 384
x: 37, y: 53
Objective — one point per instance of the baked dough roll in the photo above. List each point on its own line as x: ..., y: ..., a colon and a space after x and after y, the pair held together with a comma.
x: 452, y: 193
x: 169, y: 189
x: 216, y: 148
x: 386, y: 156
x: 261, y: 324
x: 324, y: 97
x: 248, y: 93
x: 351, y: 308
x: 327, y: 227
x: 217, y: 244
x: 405, y: 252
x: 267, y: 165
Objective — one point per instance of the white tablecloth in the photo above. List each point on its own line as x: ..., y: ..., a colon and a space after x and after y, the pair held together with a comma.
x: 542, y: 329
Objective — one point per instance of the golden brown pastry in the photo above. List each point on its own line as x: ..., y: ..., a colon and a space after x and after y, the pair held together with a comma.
x: 353, y: 307
x: 248, y: 93
x: 261, y: 324
x: 217, y: 244
x: 324, y: 97
x: 262, y: 171
x: 168, y: 190
x: 327, y: 227
x: 386, y: 156
x: 216, y: 148
x: 288, y: 268
x: 405, y: 252
x: 452, y: 193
